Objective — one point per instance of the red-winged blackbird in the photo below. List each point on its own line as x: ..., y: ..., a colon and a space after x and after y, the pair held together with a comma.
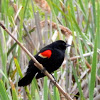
x: 51, y: 57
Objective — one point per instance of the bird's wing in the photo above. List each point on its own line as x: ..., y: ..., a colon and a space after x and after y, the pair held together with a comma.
x: 44, y: 53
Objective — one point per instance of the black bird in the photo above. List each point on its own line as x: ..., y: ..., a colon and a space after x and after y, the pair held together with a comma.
x: 51, y: 57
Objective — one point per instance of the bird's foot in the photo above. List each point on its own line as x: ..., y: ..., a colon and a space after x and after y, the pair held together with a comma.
x: 43, y: 70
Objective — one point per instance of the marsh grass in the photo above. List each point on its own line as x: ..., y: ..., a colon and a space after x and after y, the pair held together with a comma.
x: 82, y: 17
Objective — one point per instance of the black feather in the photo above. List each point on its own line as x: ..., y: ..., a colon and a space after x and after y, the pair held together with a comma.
x: 51, y: 64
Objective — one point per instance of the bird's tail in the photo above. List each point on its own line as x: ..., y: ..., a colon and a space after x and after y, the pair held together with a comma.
x: 26, y: 80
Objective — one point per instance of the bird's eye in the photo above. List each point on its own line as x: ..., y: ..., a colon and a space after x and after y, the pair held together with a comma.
x: 62, y: 46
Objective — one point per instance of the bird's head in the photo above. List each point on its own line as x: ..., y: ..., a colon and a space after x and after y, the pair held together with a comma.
x: 60, y: 44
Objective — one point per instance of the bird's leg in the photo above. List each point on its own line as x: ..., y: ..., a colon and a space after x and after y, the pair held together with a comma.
x: 43, y: 71
x: 54, y: 79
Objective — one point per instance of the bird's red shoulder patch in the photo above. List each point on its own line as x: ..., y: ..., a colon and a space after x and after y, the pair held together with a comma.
x: 46, y: 54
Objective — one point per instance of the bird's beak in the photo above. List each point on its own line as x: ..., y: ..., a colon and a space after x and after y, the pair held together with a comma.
x: 68, y: 45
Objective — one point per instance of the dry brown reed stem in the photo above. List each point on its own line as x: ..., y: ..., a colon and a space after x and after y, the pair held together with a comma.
x: 38, y: 65
x: 43, y: 5
x: 87, y: 64
x: 84, y: 75
x: 84, y: 55
x: 65, y: 31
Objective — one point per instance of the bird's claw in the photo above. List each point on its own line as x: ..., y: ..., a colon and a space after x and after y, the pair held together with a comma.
x: 43, y: 70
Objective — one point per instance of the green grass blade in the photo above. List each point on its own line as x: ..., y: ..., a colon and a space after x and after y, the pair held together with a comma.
x: 98, y: 23
x: 94, y: 66
x: 12, y: 47
x: 18, y: 67
x: 37, y: 97
x: 34, y: 87
x: 14, y: 94
x: 45, y: 87
x: 93, y: 72
x: 56, y: 94
x: 3, y: 53
x: 79, y: 30
x: 3, y: 74
x: 21, y: 75
x: 3, y: 92
x: 78, y: 84
x: 82, y: 7
x: 52, y: 4
x: 94, y: 12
